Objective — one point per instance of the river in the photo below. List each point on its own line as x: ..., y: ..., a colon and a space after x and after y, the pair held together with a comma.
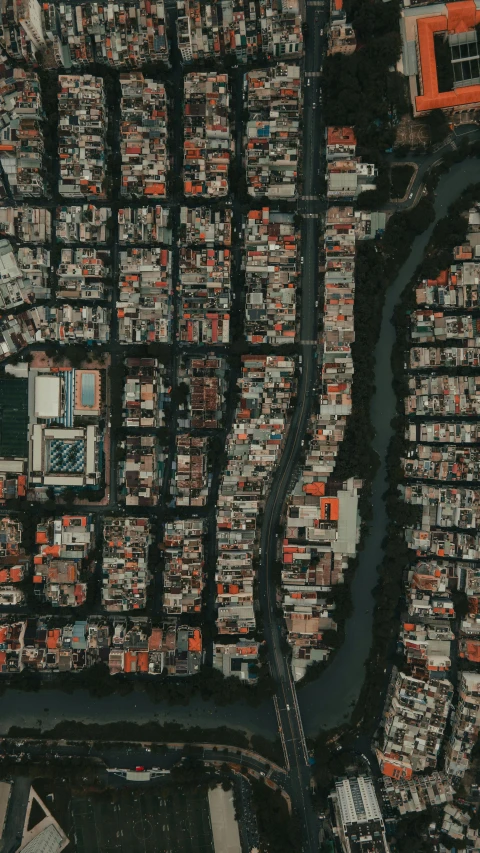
x: 328, y: 701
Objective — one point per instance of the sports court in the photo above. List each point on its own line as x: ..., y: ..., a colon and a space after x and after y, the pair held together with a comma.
x: 143, y: 821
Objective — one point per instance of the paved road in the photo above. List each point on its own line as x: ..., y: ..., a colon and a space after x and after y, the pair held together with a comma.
x: 425, y: 162
x: 134, y: 754
x: 289, y: 719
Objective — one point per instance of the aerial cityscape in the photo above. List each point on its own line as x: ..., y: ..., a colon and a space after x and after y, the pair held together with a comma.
x: 239, y: 426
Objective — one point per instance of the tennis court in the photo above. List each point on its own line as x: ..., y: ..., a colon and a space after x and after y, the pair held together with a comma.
x: 143, y: 821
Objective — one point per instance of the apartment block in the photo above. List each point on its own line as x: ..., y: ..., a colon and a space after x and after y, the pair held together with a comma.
x: 204, y: 225
x: 417, y: 794
x: 441, y: 432
x: 431, y: 358
x: 204, y: 378
x: 347, y: 178
x: 81, y: 133
x: 341, y: 35
x: 126, y: 645
x: 238, y: 660
x: 466, y: 725
x: 74, y: 323
x: 145, y: 394
x: 448, y: 463
x: 443, y: 395
x: 27, y: 224
x: 63, y: 561
x: 84, y: 273
x: 125, y: 563
x: 272, y: 142
x: 116, y: 34
x: 84, y: 223
x: 140, y: 473
x: 22, y: 145
x: 143, y: 136
x: 14, y: 565
x: 272, y: 276
x: 18, y: 331
x: 341, y: 143
x: 190, y: 478
x: 145, y: 292
x: 183, y: 576
x: 253, y: 448
x: 24, y: 275
x: 144, y: 225
x: 431, y: 326
x: 233, y: 28
x: 21, y: 34
x: 414, y: 725
x: 205, y: 295
x: 208, y: 145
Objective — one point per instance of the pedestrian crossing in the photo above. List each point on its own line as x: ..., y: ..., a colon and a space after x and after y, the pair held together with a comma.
x: 309, y: 343
x: 312, y: 74
x: 308, y: 198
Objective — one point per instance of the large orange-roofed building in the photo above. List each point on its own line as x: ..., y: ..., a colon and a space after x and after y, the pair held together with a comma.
x: 441, y: 56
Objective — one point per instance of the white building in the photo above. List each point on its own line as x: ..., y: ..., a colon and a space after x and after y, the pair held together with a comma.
x: 359, y: 818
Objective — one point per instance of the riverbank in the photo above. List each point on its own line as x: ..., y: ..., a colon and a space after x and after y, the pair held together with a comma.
x: 46, y: 708
x: 329, y: 701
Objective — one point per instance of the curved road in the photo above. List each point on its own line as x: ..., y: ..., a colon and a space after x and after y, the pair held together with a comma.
x: 289, y: 719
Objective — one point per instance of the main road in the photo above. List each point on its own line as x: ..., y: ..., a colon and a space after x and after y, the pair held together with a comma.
x: 290, y: 725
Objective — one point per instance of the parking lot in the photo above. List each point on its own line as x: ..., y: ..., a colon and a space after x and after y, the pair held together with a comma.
x: 148, y: 821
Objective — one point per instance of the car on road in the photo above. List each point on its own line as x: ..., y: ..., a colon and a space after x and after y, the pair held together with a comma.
x: 321, y: 32
x: 411, y: 195
x: 287, y: 707
x: 301, y: 259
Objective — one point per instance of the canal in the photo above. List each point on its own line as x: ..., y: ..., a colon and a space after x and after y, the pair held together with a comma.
x: 329, y: 701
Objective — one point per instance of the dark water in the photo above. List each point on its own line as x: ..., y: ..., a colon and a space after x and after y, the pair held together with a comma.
x: 18, y: 708
x: 328, y: 701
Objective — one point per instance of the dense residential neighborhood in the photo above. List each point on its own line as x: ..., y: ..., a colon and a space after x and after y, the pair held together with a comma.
x: 239, y: 464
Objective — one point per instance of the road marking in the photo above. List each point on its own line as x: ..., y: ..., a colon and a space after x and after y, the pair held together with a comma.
x: 312, y: 74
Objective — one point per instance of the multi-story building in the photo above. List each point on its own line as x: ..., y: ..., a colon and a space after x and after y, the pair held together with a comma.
x: 204, y: 380
x: 145, y: 394
x: 208, y: 145
x: 22, y: 145
x: 272, y: 144
x: 183, y: 577
x: 61, y: 565
x: 125, y: 563
x: 190, y: 477
x: 205, y: 295
x: 234, y: 28
x: 140, y: 472
x: 82, y: 123
x: 272, y: 274
x: 358, y: 815
x: 143, y: 136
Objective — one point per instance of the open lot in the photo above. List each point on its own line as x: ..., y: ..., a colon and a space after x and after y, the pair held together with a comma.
x: 143, y: 821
